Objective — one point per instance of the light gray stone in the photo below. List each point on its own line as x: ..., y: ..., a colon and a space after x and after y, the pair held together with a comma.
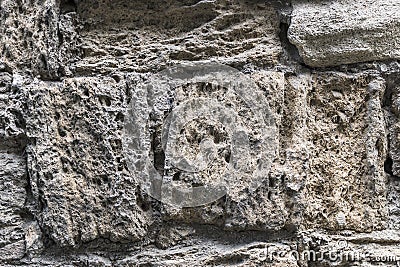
x: 330, y: 33
x: 13, y: 196
x: 78, y: 176
x: 151, y: 36
x: 70, y: 71
x: 35, y: 38
x: 346, y: 150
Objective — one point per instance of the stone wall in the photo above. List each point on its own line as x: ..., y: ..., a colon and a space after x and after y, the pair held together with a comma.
x: 325, y: 74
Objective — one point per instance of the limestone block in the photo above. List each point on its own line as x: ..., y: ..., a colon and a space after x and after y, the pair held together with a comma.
x: 13, y: 196
x: 346, y: 152
x: 152, y: 35
x: 36, y: 38
x: 77, y: 172
x: 330, y: 33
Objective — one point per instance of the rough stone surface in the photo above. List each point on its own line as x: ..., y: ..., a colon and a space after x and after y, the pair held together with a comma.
x: 12, y: 199
x: 76, y: 162
x: 71, y: 80
x: 36, y: 37
x: 144, y: 36
x: 330, y: 33
x: 346, y: 134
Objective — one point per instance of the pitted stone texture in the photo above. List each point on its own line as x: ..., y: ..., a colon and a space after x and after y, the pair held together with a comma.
x: 225, y: 249
x: 146, y: 36
x: 271, y: 206
x: 320, y: 116
x: 77, y: 172
x: 35, y: 38
x: 211, y: 253
x: 329, y: 168
x: 12, y: 112
x: 392, y: 163
x: 12, y: 199
x: 263, y: 209
x: 330, y: 33
x: 347, y: 148
x: 393, y: 118
x: 12, y: 106
x: 393, y: 196
x: 348, y: 248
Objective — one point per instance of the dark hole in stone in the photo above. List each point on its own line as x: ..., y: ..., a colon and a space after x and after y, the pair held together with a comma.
x: 388, y: 166
x: 85, y: 90
x: 335, y: 119
x: 141, y: 202
x: 105, y: 100
x: 159, y: 159
x: 105, y: 179
x: 228, y: 157
x: 387, y: 96
x: 158, y: 154
x: 20, y: 121
x: 67, y: 6
x: 76, y: 99
x: 43, y: 61
x: 62, y: 132
x: 194, y: 184
x: 291, y: 51
x: 119, y: 117
x: 116, y: 78
x: 176, y: 176
x: 60, y: 37
x: 217, y: 136
x: 272, y: 182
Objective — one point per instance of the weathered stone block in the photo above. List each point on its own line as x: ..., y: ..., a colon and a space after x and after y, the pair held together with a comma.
x: 36, y: 38
x: 248, y: 197
x: 346, y: 148
x: 151, y: 36
x: 77, y: 172
x: 330, y: 33
x: 69, y: 70
x: 13, y: 196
